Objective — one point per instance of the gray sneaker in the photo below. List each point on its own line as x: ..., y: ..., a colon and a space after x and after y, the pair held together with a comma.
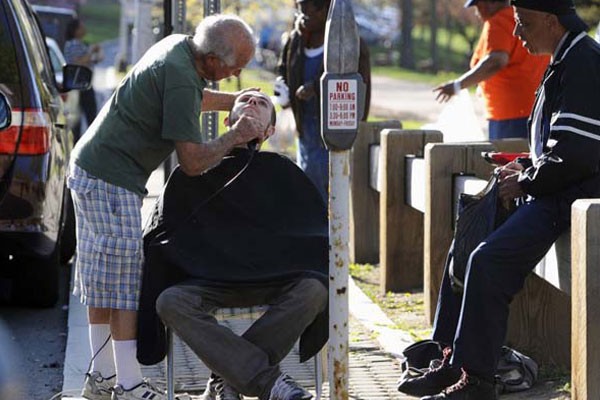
x: 144, y: 391
x: 217, y: 389
x: 285, y: 388
x: 96, y: 387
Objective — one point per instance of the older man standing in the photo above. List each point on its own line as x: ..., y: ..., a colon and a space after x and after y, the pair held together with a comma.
x: 564, y: 165
x: 505, y: 72
x: 154, y: 111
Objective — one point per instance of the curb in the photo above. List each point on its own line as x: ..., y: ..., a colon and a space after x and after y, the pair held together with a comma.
x: 391, y: 340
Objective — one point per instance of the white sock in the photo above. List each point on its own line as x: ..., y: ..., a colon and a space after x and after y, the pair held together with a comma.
x: 104, y: 361
x: 129, y: 373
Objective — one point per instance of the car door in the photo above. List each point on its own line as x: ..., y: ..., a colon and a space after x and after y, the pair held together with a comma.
x: 10, y: 86
x: 47, y: 169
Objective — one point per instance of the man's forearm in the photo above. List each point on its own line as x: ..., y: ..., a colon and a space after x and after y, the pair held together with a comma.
x: 485, y: 69
x: 213, y: 100
x: 197, y: 158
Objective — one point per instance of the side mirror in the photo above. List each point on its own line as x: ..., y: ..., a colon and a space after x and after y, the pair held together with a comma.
x: 5, y: 114
x: 76, y: 77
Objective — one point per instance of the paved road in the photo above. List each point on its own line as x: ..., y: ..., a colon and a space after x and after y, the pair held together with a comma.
x: 406, y: 100
x: 34, y: 343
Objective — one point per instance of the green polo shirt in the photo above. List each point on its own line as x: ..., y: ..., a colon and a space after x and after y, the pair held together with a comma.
x: 156, y: 104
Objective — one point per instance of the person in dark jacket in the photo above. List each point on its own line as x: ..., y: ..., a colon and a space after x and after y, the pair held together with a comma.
x: 299, y: 71
x: 238, y: 239
x: 564, y: 165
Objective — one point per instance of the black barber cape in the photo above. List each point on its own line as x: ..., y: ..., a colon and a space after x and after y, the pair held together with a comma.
x: 269, y: 225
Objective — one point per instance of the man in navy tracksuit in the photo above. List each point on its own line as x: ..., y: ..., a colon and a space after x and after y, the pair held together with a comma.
x: 564, y: 165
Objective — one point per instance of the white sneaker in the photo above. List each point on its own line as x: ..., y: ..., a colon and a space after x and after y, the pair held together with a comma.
x: 143, y: 391
x: 96, y: 387
x: 217, y: 389
x: 285, y: 388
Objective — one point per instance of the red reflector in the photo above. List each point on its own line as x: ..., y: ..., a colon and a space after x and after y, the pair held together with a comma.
x: 35, y: 135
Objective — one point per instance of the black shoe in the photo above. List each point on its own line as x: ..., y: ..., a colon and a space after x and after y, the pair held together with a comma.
x: 433, y: 381
x: 468, y: 387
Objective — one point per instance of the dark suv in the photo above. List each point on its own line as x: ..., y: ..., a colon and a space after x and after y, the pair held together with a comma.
x: 35, y: 144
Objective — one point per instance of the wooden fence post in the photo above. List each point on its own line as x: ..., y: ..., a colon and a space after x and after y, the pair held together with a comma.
x: 364, y: 200
x: 401, y: 226
x: 442, y: 162
x: 585, y: 296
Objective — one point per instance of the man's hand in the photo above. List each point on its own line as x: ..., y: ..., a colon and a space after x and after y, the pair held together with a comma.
x: 305, y: 92
x: 509, y: 169
x: 445, y: 91
x: 240, y: 92
x: 508, y: 180
x: 249, y: 128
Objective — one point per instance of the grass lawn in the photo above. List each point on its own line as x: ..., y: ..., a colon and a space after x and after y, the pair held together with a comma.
x: 101, y: 20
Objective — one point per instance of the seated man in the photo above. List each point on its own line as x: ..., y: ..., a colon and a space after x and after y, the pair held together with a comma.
x: 564, y: 165
x: 251, y: 231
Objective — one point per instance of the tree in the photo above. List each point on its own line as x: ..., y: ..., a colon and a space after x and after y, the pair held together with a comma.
x: 407, y: 58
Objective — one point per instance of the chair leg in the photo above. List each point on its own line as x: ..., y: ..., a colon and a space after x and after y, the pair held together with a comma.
x: 170, y: 366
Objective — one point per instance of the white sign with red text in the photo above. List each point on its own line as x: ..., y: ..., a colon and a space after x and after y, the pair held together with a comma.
x: 342, y: 102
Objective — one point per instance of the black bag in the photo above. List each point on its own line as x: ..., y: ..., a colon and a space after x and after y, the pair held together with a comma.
x: 420, y: 356
x: 478, y: 216
x: 515, y: 371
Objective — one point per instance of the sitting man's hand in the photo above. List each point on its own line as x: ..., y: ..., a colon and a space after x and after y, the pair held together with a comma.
x: 508, y: 180
x: 508, y: 169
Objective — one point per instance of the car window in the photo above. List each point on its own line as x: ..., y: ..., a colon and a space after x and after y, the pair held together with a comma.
x: 36, y: 47
x: 9, y: 69
x: 57, y: 63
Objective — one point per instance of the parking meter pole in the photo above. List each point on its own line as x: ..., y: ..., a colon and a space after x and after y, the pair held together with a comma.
x: 339, y: 236
x: 342, y: 99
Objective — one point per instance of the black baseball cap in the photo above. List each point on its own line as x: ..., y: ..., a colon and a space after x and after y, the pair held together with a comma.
x: 563, y: 9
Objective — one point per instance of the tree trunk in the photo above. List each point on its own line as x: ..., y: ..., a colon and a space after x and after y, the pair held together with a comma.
x: 434, y: 44
x: 450, y: 31
x: 407, y: 58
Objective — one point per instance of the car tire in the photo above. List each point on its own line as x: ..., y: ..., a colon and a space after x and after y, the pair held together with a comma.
x: 67, y: 237
x: 36, y: 283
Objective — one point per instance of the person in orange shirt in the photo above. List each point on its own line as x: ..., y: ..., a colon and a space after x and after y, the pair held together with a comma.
x: 507, y: 74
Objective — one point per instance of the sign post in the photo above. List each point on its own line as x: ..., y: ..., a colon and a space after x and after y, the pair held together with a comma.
x: 342, y: 105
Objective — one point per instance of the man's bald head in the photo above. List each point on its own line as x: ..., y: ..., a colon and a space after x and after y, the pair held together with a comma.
x: 227, y: 37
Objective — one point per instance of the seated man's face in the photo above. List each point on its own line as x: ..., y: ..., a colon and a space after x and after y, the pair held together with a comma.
x: 252, y: 104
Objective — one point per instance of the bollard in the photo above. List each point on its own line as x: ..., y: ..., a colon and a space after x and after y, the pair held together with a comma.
x: 342, y: 102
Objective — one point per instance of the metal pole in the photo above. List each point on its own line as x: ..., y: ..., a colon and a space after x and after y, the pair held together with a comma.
x: 168, y: 18
x: 339, y: 236
x: 342, y: 101
x: 170, y: 366
x: 210, y: 119
x: 174, y: 11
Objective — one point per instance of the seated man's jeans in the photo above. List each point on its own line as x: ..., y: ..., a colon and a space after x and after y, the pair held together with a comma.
x: 476, y: 322
x: 249, y: 363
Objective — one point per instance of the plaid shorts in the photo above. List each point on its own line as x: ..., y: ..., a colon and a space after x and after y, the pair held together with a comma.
x: 108, y: 270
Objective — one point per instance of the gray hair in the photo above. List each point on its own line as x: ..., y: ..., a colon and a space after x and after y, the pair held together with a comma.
x: 219, y: 33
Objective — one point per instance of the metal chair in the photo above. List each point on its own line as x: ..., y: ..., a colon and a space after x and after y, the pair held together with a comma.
x: 170, y: 368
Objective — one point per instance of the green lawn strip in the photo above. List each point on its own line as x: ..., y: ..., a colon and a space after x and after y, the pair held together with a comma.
x: 406, y: 310
x: 101, y: 19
